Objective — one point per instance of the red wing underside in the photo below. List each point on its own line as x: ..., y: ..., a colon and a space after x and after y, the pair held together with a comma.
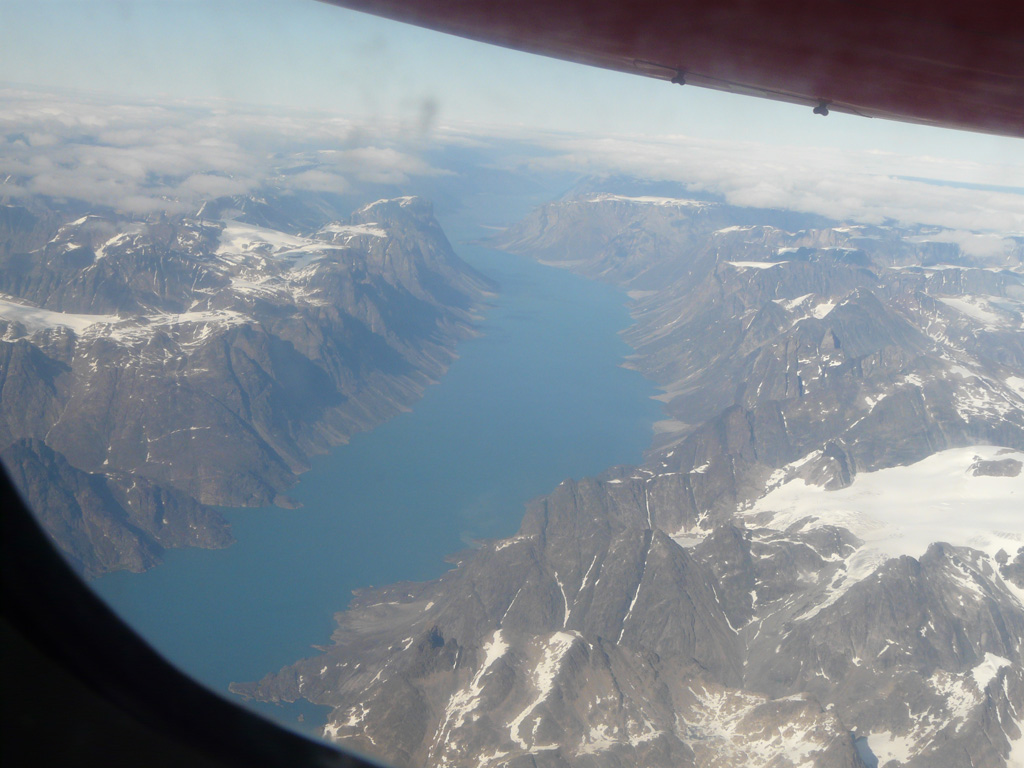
x: 953, y: 64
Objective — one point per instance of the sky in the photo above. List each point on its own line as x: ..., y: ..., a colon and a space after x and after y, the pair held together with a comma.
x: 305, y: 54
x: 306, y: 69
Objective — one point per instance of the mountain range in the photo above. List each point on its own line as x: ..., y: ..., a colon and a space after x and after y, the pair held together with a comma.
x: 152, y: 369
x: 820, y: 561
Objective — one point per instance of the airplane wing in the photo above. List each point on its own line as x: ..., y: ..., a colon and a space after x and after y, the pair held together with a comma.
x: 942, y: 62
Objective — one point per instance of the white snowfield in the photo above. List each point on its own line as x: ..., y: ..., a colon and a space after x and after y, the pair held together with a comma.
x: 887, y: 746
x: 963, y: 694
x: 240, y: 241
x: 650, y: 200
x: 726, y: 230
x: 992, y: 313
x: 353, y: 230
x: 124, y: 330
x: 808, y: 305
x: 36, y: 318
x: 903, y: 510
x: 402, y: 201
x: 1016, y: 758
x: 115, y: 240
x: 726, y: 728
x: 240, y: 238
x: 755, y: 264
x: 245, y: 252
x: 553, y: 653
x: 1016, y: 383
x: 464, y: 701
x: 986, y: 672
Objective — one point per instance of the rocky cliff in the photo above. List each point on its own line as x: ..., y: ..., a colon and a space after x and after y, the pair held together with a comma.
x: 209, y: 358
x: 817, y: 565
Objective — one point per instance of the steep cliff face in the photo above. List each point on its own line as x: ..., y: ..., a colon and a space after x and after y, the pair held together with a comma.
x: 818, y: 563
x: 592, y: 636
x: 211, y: 359
x: 775, y: 336
x: 110, y: 521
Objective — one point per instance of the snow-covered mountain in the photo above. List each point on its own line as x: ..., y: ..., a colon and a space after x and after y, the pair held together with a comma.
x: 150, y: 368
x: 820, y: 563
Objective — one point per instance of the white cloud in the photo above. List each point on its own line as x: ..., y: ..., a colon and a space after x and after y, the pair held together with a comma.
x: 985, y: 245
x: 207, y: 185
x: 143, y: 158
x: 868, y: 187
x: 319, y: 181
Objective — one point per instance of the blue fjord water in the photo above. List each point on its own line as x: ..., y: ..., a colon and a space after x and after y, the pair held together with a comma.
x: 538, y: 397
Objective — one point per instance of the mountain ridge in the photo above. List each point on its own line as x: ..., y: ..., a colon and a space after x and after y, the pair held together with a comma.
x: 654, y: 614
x: 214, y: 358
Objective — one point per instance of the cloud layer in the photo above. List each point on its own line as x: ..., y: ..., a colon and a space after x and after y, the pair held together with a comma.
x: 866, y: 187
x: 145, y: 158
x: 142, y: 158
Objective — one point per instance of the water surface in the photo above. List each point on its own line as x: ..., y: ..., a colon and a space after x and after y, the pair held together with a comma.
x: 538, y: 397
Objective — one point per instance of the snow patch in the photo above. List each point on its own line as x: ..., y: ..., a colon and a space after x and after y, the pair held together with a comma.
x: 240, y: 239
x: 822, y: 309
x: 959, y: 696
x: 887, y: 746
x: 790, y: 304
x: 730, y: 728
x: 505, y: 543
x: 601, y: 739
x: 36, y: 318
x: 902, y: 510
x: 402, y: 201
x: 755, y: 264
x: 464, y: 701
x: 687, y: 540
x: 978, y: 309
x: 1016, y: 383
x: 986, y: 672
x: 353, y: 230
x: 650, y: 200
x: 544, y: 674
x: 194, y: 327
x: 1016, y: 756
x: 115, y: 240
